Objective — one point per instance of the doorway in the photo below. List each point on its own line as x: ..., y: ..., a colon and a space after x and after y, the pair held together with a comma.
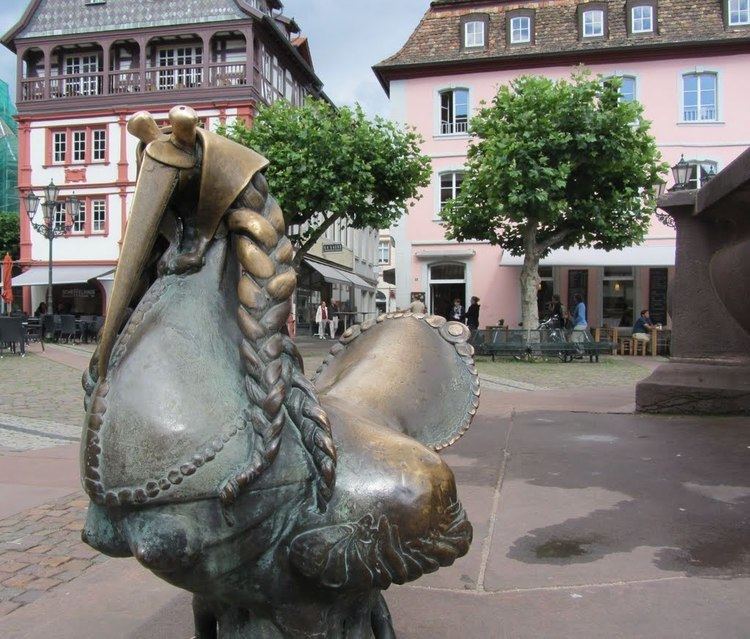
x: 447, y: 282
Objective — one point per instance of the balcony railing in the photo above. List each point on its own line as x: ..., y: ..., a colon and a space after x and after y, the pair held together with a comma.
x: 32, y: 90
x: 172, y: 78
x: 225, y: 75
x: 699, y: 114
x: 75, y: 85
x: 124, y: 82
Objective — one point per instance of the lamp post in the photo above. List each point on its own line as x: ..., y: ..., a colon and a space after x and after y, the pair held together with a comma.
x: 681, y: 174
x: 50, y: 228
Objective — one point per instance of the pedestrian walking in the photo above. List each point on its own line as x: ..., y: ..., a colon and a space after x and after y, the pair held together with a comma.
x: 472, y: 314
x: 322, y: 319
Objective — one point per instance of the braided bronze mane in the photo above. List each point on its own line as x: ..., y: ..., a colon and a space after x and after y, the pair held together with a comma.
x: 274, y: 378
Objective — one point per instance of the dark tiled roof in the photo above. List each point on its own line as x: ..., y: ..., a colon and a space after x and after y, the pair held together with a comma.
x: 437, y: 37
x: 58, y: 17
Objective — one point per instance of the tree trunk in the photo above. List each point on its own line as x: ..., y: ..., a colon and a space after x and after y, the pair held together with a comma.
x: 530, y: 281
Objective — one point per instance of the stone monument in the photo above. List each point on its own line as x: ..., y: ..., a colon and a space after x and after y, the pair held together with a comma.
x: 709, y: 369
x: 286, y: 506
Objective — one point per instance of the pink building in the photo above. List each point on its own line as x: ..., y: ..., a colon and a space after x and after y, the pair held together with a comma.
x: 686, y: 62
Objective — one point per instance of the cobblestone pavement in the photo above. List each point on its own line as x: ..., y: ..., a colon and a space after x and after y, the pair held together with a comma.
x: 27, y: 433
x: 38, y: 388
x: 40, y: 549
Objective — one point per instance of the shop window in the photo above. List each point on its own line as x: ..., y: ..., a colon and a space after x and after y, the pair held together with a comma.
x: 618, y: 296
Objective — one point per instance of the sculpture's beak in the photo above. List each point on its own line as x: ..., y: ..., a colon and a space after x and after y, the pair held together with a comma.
x: 157, y: 180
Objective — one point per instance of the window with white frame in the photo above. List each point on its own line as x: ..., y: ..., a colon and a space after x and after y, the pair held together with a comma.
x: 520, y: 29
x: 474, y: 34
x: 79, y: 219
x: 79, y: 146
x: 384, y: 252
x: 60, y: 215
x: 98, y: 216
x: 593, y: 23
x: 450, y: 186
x: 84, y: 69
x: 701, y: 171
x: 99, y: 145
x: 627, y: 88
x: 454, y: 111
x: 699, y: 99
x: 183, y: 70
x: 642, y: 19
x: 59, y: 146
x: 738, y: 13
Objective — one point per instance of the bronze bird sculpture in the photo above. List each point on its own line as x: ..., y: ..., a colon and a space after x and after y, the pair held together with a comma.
x: 286, y: 506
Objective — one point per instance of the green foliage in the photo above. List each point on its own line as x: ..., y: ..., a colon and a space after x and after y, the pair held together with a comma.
x: 556, y: 164
x: 329, y: 163
x: 9, y: 235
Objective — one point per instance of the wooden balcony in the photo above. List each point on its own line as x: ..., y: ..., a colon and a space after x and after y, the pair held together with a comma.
x: 123, y: 82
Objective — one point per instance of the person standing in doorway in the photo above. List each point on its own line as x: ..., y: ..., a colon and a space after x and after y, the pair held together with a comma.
x: 457, y: 311
x: 578, y: 318
x: 322, y: 319
x: 472, y: 314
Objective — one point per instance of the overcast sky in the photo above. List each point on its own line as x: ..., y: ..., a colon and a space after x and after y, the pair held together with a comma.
x: 346, y: 38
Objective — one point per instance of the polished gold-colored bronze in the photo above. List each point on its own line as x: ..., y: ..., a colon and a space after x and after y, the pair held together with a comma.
x: 285, y: 505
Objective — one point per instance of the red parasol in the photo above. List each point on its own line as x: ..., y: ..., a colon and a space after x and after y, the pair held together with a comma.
x: 7, y: 294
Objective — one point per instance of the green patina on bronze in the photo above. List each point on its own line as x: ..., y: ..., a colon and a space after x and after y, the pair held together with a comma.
x: 286, y: 506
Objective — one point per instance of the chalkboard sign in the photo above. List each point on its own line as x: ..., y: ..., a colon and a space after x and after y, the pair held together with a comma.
x: 657, y: 294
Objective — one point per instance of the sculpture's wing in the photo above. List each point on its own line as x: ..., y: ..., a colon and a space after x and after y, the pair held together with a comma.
x: 411, y: 372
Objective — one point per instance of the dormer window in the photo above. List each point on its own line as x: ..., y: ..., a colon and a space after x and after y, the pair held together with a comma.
x: 641, y: 17
x: 474, y: 34
x: 592, y: 20
x: 474, y: 31
x: 738, y: 13
x: 593, y: 23
x: 520, y: 26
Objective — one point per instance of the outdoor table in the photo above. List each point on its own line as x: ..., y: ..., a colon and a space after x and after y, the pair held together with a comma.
x: 656, y: 331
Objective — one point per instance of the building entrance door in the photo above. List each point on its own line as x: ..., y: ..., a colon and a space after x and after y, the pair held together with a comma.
x: 447, y: 282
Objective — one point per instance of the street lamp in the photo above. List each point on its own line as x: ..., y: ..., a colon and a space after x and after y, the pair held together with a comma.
x: 49, y: 227
x: 662, y: 216
x: 681, y: 174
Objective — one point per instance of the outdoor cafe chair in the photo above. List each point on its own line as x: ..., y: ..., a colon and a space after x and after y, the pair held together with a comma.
x: 67, y: 328
x: 11, y: 333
